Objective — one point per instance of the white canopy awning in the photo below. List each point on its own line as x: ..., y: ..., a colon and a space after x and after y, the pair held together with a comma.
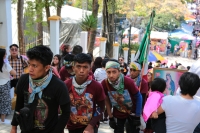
x: 159, y: 35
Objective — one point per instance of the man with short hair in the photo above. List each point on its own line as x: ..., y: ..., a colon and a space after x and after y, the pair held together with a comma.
x: 85, y: 93
x: 41, y: 90
x: 17, y: 62
x: 123, y: 95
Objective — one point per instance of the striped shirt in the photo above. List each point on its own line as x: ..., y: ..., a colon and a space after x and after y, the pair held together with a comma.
x: 17, y: 65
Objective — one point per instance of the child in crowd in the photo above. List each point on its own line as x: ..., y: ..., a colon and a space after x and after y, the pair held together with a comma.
x: 158, y: 87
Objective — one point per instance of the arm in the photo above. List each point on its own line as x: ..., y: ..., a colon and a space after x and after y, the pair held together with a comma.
x: 13, y: 72
x: 138, y: 110
x: 63, y: 118
x: 160, y: 110
x: 108, y: 107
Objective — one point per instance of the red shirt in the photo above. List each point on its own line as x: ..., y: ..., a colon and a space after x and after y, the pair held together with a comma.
x: 130, y: 89
x: 83, y: 108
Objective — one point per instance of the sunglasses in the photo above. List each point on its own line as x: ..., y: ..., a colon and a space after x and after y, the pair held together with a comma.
x: 13, y: 49
x: 132, y: 70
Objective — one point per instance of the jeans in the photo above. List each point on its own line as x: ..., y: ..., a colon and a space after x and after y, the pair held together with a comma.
x: 197, y: 129
x: 120, y: 127
x: 168, y: 52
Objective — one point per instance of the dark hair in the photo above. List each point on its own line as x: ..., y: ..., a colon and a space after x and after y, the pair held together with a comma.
x: 40, y: 53
x: 104, y: 61
x: 91, y: 55
x: 82, y: 58
x: 77, y: 50
x: 158, y: 84
x: 15, y: 45
x: 150, y: 63
x: 59, y: 58
x: 189, y: 83
x: 2, y: 54
x: 70, y: 59
x: 97, y: 64
x: 188, y: 67
x: 64, y: 50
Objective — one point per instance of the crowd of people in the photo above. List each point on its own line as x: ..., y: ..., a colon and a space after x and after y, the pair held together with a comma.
x: 77, y: 92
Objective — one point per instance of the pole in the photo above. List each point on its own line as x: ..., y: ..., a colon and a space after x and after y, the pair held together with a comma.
x: 121, y: 43
x: 129, y: 44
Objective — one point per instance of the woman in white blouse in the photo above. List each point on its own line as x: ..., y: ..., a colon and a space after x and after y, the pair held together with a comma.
x: 5, y: 72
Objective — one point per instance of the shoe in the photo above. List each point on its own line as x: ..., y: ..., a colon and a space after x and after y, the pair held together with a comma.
x: 6, y: 121
x: 105, y: 120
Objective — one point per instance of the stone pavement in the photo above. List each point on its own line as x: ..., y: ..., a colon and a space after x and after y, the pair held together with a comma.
x: 5, y: 128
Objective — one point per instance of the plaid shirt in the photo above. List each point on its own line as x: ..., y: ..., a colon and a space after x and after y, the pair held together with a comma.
x: 17, y: 65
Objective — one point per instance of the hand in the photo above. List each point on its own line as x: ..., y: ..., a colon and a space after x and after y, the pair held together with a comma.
x: 112, y: 123
x: 13, y: 129
x: 136, y: 121
x: 89, y: 129
x: 154, y: 115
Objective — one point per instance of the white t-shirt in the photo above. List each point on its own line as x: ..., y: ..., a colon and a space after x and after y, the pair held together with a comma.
x: 182, y: 115
x: 5, y: 75
x: 100, y: 74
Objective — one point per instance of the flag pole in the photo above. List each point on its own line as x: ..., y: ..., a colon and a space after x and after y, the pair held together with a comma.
x: 147, y: 48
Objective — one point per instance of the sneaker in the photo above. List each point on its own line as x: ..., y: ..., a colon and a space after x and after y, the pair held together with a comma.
x: 105, y: 120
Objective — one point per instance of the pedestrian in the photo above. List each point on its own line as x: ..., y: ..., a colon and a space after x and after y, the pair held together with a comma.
x: 66, y: 72
x: 65, y: 49
x: 85, y: 93
x: 189, y: 50
x: 158, y: 88
x: 150, y: 65
x: 77, y: 49
x: 17, y: 62
x: 56, y: 62
x: 5, y: 72
x: 123, y: 66
x: 135, y: 75
x: 39, y: 94
x: 168, y: 49
x: 178, y: 108
x: 125, y: 98
x: 97, y: 64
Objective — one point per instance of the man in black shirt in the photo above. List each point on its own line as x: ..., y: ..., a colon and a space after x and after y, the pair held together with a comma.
x: 49, y: 91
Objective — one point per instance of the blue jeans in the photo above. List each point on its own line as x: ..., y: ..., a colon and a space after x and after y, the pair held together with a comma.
x: 168, y: 52
x: 197, y: 129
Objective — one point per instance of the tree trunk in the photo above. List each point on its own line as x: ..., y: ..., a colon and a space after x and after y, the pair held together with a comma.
x: 95, y: 7
x: 20, y: 7
x: 59, y: 6
x: 39, y: 24
x: 47, y: 12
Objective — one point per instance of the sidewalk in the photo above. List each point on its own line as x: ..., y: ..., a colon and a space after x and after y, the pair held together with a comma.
x: 5, y: 127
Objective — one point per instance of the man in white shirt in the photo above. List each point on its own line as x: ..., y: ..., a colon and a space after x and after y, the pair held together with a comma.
x: 182, y: 111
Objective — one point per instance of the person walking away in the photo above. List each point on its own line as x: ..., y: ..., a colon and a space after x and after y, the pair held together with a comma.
x: 168, y: 49
x: 41, y: 89
x: 177, y: 120
x: 5, y: 72
x: 17, y: 62
x: 123, y: 95
x: 85, y: 93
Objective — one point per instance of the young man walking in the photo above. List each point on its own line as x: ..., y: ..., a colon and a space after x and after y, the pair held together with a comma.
x: 40, y: 86
x: 123, y: 95
x: 85, y: 93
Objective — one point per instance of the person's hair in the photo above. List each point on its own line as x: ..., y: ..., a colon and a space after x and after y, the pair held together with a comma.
x: 77, y: 50
x: 15, y: 45
x: 104, y: 61
x: 97, y: 64
x: 158, y: 84
x: 59, y: 58
x: 2, y: 54
x: 150, y: 63
x: 40, y: 53
x: 82, y: 58
x: 70, y: 58
x: 188, y: 67
x: 91, y: 55
x: 158, y: 61
x: 64, y: 50
x: 189, y: 83
x: 121, y: 57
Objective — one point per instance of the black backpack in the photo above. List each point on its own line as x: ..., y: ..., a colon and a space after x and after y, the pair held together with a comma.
x: 25, y: 116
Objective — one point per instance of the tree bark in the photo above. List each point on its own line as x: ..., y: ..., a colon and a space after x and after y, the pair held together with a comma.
x: 47, y: 12
x: 39, y: 24
x: 20, y: 7
x: 92, y: 36
x: 59, y: 6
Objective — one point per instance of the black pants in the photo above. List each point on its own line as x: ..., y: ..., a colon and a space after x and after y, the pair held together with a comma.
x: 159, y: 125
x: 80, y: 130
x: 124, y: 122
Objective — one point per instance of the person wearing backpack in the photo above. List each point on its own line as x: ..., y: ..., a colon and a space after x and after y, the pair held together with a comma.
x: 39, y: 95
x: 87, y: 97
